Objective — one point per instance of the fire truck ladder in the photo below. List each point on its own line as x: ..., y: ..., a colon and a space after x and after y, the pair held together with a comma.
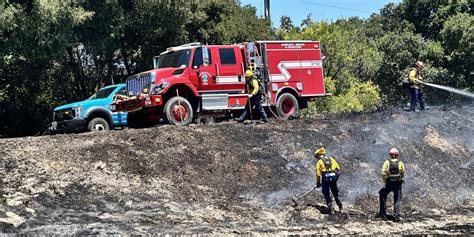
x: 255, y: 63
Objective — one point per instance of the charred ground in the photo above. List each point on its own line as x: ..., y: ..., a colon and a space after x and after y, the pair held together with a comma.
x: 238, y: 178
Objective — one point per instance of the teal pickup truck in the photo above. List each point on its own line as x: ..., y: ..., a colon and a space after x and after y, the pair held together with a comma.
x: 92, y: 114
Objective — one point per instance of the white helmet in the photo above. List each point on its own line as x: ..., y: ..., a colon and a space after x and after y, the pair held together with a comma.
x: 394, y: 152
x: 420, y: 65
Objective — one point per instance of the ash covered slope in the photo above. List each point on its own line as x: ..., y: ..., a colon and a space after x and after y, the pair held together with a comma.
x: 228, y: 177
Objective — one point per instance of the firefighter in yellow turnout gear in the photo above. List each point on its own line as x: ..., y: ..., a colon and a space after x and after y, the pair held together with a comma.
x: 393, y: 171
x: 254, y: 97
x: 327, y: 174
x: 416, y: 89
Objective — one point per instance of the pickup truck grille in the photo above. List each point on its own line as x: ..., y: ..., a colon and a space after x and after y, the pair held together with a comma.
x: 136, y: 84
x: 64, y: 114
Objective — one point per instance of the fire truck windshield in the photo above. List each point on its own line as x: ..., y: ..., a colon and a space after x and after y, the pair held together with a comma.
x: 175, y: 59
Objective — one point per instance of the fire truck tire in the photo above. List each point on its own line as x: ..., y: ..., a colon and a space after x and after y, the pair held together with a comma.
x: 287, y: 106
x: 178, y: 111
x: 98, y: 124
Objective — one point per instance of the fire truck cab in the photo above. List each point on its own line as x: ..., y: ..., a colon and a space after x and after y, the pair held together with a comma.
x: 194, y: 80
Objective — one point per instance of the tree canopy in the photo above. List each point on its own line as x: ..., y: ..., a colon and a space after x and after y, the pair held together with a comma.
x: 55, y: 52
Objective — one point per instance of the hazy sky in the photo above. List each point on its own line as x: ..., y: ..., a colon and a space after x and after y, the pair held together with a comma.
x: 320, y: 9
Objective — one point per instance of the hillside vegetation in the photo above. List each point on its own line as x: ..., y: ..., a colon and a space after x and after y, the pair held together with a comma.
x: 55, y: 52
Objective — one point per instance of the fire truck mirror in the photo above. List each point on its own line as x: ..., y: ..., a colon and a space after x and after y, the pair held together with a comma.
x: 205, y: 57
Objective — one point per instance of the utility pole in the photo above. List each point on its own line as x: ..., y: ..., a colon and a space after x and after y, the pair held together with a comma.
x: 267, y: 10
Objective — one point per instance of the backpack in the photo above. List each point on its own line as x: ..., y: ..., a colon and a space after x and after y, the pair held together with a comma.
x: 258, y: 77
x: 394, y: 170
x: 261, y: 89
x: 327, y: 163
x: 329, y: 174
x: 406, y: 78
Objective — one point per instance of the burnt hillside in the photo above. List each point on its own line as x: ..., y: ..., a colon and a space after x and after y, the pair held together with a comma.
x: 238, y: 178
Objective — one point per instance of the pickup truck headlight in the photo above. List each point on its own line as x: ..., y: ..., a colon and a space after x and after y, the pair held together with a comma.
x: 160, y: 88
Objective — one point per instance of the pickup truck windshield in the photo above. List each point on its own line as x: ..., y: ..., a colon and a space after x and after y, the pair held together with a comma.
x: 174, y: 59
x: 103, y: 93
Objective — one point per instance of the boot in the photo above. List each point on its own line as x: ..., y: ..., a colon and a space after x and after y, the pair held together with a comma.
x: 330, y: 210
x: 340, y: 207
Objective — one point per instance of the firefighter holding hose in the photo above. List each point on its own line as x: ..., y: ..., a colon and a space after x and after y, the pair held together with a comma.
x: 327, y: 174
x: 416, y: 91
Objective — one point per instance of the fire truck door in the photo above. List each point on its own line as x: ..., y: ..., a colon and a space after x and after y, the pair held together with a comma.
x: 204, y: 69
x: 230, y: 69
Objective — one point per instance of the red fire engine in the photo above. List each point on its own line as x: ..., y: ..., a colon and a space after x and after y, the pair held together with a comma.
x: 193, y: 80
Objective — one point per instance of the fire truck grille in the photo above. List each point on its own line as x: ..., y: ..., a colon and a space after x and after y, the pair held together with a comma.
x: 137, y: 84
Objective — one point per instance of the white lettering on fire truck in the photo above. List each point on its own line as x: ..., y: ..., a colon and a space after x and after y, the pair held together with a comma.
x: 292, y: 46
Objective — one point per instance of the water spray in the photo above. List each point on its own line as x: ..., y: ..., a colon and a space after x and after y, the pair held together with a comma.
x: 450, y: 89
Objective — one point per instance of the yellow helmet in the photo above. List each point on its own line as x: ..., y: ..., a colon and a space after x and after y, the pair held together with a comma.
x: 249, y: 73
x: 320, y: 151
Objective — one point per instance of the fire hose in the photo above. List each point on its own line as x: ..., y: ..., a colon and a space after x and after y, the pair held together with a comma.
x: 447, y: 88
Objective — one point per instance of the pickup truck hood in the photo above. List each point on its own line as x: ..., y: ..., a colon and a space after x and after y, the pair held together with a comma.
x: 84, y: 103
x: 68, y: 106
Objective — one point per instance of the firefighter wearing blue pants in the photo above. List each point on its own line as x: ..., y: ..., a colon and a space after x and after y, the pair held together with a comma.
x: 327, y: 174
x: 416, y: 90
x: 393, y: 171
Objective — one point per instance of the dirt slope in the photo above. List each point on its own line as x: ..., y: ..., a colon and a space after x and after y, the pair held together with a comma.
x: 238, y: 178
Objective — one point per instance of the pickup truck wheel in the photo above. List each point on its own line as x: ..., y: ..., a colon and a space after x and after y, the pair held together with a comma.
x: 287, y: 106
x: 178, y: 111
x: 98, y: 124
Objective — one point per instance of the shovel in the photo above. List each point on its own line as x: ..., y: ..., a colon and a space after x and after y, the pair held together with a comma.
x: 295, y: 200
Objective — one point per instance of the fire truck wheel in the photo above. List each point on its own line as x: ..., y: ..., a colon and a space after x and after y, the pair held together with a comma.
x: 178, y: 111
x: 287, y: 106
x: 98, y: 124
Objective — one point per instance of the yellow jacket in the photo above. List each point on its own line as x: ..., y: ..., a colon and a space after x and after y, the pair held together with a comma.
x: 321, y: 168
x: 385, y: 172
x: 414, y: 77
x: 253, y: 87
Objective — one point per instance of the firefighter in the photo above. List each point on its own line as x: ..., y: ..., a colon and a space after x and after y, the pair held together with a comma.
x: 327, y: 174
x: 254, y: 97
x: 416, y: 90
x: 393, y: 171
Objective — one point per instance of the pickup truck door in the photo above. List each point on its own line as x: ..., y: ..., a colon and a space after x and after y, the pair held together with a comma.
x: 119, y: 118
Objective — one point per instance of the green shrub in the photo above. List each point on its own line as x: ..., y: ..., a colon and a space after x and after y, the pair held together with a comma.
x: 361, y: 96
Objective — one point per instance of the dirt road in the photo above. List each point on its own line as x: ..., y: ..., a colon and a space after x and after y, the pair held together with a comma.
x: 239, y: 178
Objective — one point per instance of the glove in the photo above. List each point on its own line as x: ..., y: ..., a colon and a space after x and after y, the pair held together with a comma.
x: 250, y: 95
x: 318, y: 184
